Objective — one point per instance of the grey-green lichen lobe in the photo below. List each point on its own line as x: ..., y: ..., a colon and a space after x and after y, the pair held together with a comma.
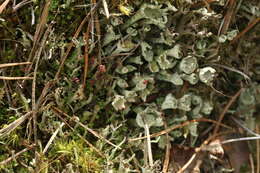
x: 184, y: 103
x: 152, y: 14
x: 188, y: 64
x: 175, y: 52
x: 192, y: 78
x: 130, y: 96
x: 247, y: 97
x: 170, y: 102
x: 207, y: 107
x: 122, y: 83
x: 110, y: 36
x: 125, y: 69
x: 153, y: 67
x: 172, y: 78
x: 119, y: 102
x: 147, y: 52
x: 207, y: 75
x: 164, y: 62
x: 150, y: 116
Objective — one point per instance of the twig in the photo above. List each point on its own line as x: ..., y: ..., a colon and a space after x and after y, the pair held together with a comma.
x: 12, y: 126
x: 106, y: 8
x: 231, y: 101
x: 52, y: 137
x: 244, y: 127
x: 98, y: 30
x: 176, y: 127
x: 38, y: 32
x: 57, y: 112
x: 241, y: 139
x: 86, y: 55
x: 187, y: 163
x: 14, y: 64
x: 34, y: 105
x: 228, y: 17
x: 16, y: 155
x: 3, y: 5
x: 168, y: 147
x: 21, y: 4
x: 149, y: 148
x: 15, y: 78
x: 7, y: 92
x: 233, y: 69
x: 85, y: 127
x: 251, y: 160
x: 257, y: 151
x: 63, y: 59
x: 250, y: 26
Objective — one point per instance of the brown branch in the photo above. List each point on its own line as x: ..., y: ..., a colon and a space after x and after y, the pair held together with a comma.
x: 177, y: 127
x: 63, y: 59
x: 86, y: 55
x: 231, y: 101
x: 250, y: 26
x: 228, y: 17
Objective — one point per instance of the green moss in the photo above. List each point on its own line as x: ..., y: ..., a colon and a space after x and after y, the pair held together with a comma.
x: 77, y: 153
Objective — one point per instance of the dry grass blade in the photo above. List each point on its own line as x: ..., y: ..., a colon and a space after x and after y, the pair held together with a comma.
x: 3, y: 5
x: 257, y: 151
x: 106, y: 8
x: 188, y: 163
x: 251, y: 159
x: 149, y: 147
x: 15, y: 78
x: 39, y: 32
x: 14, y: 64
x: 98, y: 30
x: 234, y: 70
x: 97, y: 135
x: 12, y: 126
x: 34, y: 105
x: 241, y: 139
x: 52, y: 138
x: 21, y: 4
x: 240, y: 124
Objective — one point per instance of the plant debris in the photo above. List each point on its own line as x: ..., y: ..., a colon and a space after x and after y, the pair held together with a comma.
x: 119, y: 86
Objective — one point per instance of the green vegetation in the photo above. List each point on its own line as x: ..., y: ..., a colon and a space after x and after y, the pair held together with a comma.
x: 125, y: 86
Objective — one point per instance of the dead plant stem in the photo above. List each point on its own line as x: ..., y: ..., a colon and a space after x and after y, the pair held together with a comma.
x: 231, y: 101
